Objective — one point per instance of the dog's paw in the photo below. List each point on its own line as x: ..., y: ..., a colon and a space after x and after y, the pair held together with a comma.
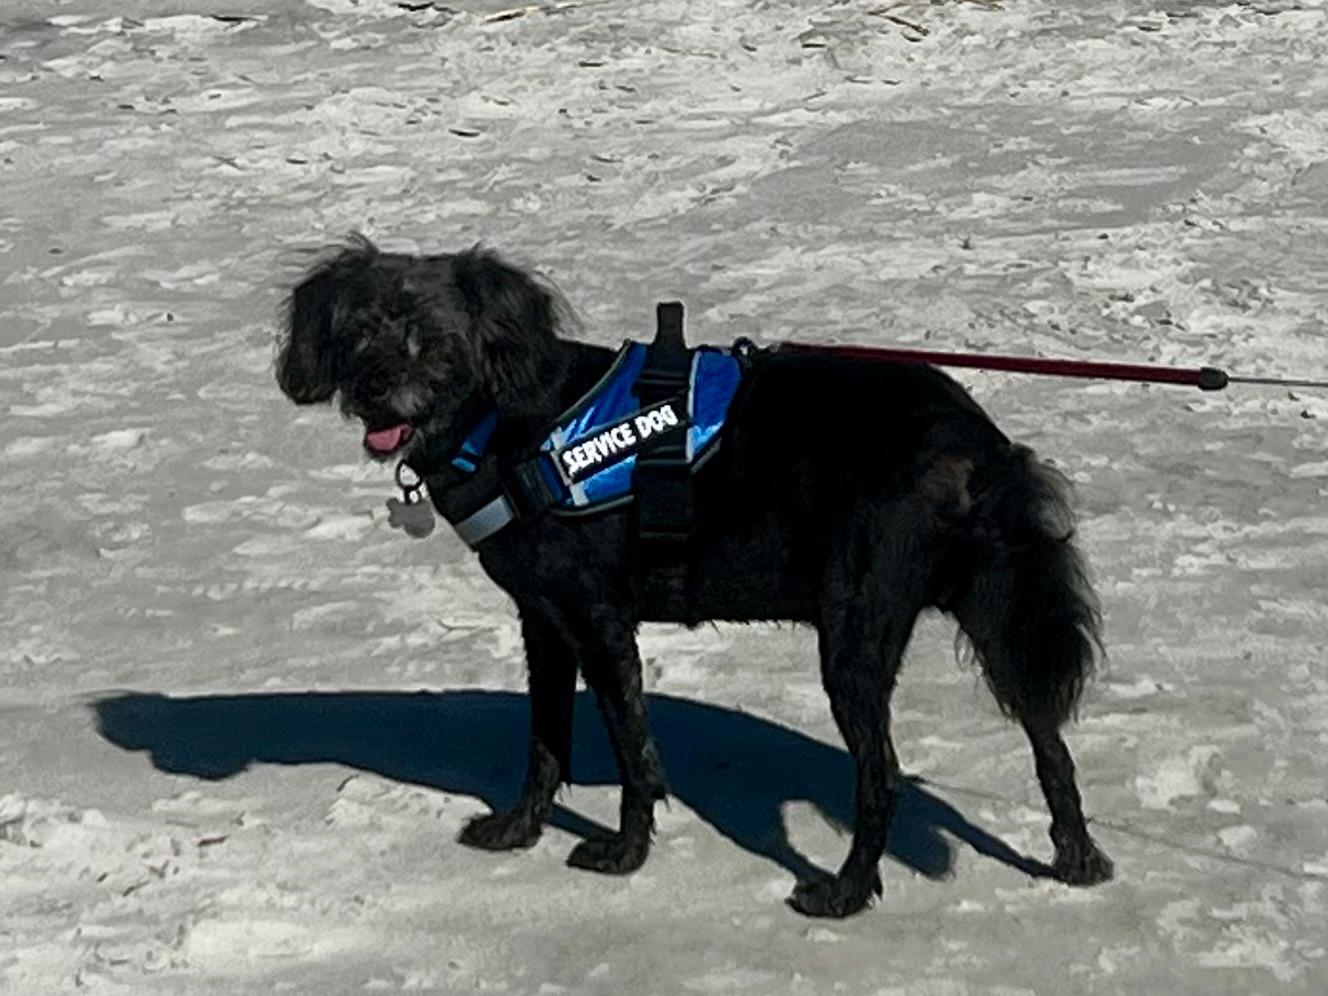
x: 835, y: 896
x: 616, y: 854
x: 500, y: 831
x: 1082, y: 865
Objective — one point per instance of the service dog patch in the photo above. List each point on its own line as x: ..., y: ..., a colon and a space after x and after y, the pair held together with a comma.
x: 613, y: 443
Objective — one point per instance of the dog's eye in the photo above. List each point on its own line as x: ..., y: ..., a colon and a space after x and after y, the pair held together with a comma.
x: 365, y: 339
x: 378, y: 338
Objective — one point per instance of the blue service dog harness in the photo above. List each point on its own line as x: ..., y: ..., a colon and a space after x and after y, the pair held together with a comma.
x: 637, y: 436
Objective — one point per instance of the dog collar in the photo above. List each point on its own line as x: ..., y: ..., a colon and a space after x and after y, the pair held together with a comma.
x: 472, y: 448
x: 462, y: 502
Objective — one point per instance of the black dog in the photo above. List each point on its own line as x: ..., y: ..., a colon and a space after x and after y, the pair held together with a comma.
x: 849, y: 496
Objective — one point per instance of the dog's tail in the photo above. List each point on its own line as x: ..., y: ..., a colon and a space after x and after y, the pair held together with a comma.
x: 1029, y: 612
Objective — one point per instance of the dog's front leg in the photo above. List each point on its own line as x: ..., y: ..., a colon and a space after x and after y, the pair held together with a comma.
x: 612, y: 668
x: 551, y: 663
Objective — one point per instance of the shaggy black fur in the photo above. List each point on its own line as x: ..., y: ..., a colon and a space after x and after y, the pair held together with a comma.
x: 844, y: 495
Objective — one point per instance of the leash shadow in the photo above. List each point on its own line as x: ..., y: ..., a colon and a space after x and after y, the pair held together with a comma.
x: 735, y: 770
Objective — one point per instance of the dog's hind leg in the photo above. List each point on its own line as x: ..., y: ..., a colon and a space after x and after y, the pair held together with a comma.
x: 551, y: 662
x: 612, y: 669
x: 1078, y: 860
x: 1006, y: 651
x: 1033, y: 621
x: 867, y: 619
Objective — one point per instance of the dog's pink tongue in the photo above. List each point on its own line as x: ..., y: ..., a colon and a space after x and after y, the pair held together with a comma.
x: 387, y: 440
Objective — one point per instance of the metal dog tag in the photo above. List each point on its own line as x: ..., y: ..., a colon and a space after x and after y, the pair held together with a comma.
x: 415, y: 517
x: 411, y: 512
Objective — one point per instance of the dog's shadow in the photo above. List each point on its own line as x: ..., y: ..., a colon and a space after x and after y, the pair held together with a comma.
x: 735, y: 770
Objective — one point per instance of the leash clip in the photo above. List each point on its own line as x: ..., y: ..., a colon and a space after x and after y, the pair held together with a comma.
x: 410, y: 512
x: 412, y: 492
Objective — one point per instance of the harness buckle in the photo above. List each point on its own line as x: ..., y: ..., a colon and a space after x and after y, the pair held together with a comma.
x: 527, y: 489
x: 666, y: 381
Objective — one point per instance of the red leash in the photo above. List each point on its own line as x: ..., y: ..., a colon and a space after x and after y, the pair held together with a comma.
x: 1204, y: 378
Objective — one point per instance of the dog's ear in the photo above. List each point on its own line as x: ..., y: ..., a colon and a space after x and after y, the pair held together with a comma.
x: 310, y: 356
x: 513, y: 332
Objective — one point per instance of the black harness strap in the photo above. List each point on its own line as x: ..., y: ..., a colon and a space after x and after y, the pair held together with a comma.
x: 662, y: 482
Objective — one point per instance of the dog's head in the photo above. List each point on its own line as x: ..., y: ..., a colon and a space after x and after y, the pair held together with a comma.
x: 407, y: 344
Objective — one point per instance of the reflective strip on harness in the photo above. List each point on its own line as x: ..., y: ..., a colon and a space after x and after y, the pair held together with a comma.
x: 484, y: 523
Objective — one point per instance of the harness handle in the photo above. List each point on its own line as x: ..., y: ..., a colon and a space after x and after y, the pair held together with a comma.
x: 665, y: 512
x: 668, y: 353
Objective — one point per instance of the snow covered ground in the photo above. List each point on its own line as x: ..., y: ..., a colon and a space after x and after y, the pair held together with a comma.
x: 241, y: 719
